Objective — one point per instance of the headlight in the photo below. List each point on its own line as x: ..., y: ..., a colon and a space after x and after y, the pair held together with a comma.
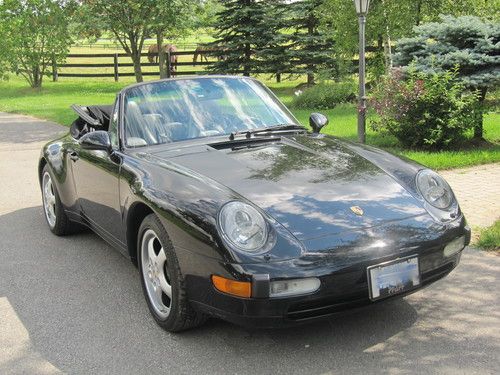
x: 243, y: 226
x: 434, y: 189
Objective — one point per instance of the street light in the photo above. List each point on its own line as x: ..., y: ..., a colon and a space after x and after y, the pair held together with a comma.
x: 362, y: 10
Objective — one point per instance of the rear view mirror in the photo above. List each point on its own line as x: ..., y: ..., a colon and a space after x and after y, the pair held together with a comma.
x: 98, y: 140
x: 317, y: 121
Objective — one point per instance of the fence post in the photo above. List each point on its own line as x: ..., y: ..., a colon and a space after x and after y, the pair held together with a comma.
x: 115, y: 63
x: 169, y: 65
x: 54, y: 70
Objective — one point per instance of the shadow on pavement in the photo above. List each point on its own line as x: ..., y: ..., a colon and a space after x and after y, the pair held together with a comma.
x: 82, y: 306
x: 21, y: 129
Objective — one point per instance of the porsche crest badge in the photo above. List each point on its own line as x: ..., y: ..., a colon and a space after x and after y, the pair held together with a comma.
x: 357, y: 210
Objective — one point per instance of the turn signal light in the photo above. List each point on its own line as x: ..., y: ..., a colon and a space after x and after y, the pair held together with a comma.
x: 233, y: 287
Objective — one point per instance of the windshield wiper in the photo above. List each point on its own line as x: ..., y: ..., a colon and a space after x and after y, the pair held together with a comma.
x: 267, y: 130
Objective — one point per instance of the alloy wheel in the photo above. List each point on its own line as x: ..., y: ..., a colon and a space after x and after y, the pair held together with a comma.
x: 155, y: 274
x: 49, y: 200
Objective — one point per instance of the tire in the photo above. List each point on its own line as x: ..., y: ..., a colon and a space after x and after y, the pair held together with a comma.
x: 161, y: 278
x: 56, y: 218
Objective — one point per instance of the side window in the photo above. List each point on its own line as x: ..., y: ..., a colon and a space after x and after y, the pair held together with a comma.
x: 113, y: 127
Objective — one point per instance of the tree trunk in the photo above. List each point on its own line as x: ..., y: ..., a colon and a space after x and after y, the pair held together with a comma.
x: 161, y: 54
x: 137, y: 68
x: 310, y: 78
x: 136, y: 60
x: 387, y: 44
x: 37, y: 78
x: 419, y: 12
x: 478, y: 128
x: 248, y: 56
x: 310, y: 67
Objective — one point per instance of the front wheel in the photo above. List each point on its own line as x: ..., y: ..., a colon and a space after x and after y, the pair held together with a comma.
x: 57, y: 219
x: 162, y: 281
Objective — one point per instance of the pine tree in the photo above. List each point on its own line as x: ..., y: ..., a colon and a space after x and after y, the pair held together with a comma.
x: 273, y: 54
x: 309, y: 49
x: 242, y: 29
x: 465, y: 43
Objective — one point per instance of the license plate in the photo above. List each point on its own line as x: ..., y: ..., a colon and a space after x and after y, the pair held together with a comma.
x: 393, y: 277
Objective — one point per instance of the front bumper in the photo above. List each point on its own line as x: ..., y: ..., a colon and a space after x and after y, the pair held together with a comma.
x: 351, y: 292
x: 342, y: 288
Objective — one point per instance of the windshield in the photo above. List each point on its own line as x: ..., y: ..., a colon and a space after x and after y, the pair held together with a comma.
x: 171, y: 111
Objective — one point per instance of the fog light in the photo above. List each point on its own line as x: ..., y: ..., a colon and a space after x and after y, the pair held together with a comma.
x: 454, y: 246
x: 284, y: 288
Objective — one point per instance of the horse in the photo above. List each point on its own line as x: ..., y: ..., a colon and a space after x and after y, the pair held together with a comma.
x: 153, y: 55
x: 204, y: 50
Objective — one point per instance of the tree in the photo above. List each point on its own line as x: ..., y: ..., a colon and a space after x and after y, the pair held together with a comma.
x: 169, y: 19
x: 310, y: 48
x: 387, y: 21
x: 206, y: 14
x: 131, y: 22
x: 466, y: 43
x: 126, y: 20
x: 243, y: 27
x: 34, y: 34
x: 272, y: 53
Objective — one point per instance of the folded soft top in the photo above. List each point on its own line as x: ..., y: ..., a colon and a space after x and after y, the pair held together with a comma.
x: 96, y: 116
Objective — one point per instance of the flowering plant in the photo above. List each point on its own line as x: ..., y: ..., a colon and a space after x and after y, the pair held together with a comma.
x: 427, y: 111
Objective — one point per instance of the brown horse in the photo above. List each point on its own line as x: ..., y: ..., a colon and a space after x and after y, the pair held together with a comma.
x: 153, y: 55
x: 205, y: 50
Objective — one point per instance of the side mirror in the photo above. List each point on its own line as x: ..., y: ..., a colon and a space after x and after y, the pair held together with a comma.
x: 98, y: 140
x: 317, y: 121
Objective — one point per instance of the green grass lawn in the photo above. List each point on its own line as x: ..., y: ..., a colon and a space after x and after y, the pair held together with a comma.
x: 489, y: 238
x: 53, y: 101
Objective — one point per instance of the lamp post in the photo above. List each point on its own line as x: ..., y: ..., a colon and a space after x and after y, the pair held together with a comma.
x: 362, y: 10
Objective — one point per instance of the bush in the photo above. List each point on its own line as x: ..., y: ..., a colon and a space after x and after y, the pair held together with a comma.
x: 426, y: 111
x: 325, y: 95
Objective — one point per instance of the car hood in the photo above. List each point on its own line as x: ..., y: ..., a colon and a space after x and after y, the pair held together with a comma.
x: 314, y: 186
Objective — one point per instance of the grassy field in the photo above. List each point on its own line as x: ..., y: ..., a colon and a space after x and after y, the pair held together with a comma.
x: 53, y: 101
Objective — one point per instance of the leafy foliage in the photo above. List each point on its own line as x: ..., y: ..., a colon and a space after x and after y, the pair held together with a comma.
x: 34, y: 34
x: 242, y: 28
x: 326, y: 95
x: 466, y: 43
x: 272, y: 36
x: 387, y: 21
x: 309, y: 48
x: 426, y: 111
x: 131, y: 22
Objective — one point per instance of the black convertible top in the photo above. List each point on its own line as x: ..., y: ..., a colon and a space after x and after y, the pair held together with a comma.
x: 102, y: 113
x: 94, y: 115
x: 90, y: 117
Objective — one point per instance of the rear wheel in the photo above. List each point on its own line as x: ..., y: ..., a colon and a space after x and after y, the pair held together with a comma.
x: 57, y: 219
x: 162, y: 281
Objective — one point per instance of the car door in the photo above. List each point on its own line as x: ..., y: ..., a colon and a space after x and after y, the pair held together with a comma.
x: 96, y: 174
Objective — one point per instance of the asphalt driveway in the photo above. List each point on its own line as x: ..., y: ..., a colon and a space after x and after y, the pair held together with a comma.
x: 74, y: 305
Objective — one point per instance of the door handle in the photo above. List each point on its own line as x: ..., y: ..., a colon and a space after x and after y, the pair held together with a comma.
x: 73, y: 155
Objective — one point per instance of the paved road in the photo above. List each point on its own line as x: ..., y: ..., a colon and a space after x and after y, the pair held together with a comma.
x: 478, y: 191
x: 74, y: 305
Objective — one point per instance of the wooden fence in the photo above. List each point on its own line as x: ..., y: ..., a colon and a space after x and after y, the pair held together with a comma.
x: 171, y: 68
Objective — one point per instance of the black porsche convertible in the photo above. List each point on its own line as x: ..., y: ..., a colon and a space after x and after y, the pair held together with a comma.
x: 231, y: 208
